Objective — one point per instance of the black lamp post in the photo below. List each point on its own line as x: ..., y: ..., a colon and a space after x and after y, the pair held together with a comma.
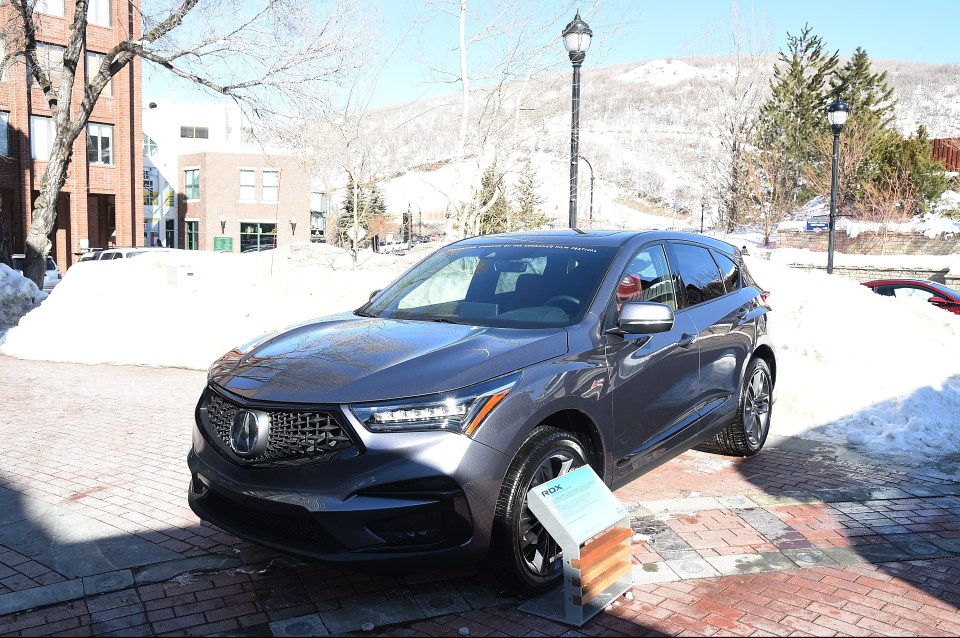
x: 591, y: 188
x: 837, y: 116
x: 576, y: 39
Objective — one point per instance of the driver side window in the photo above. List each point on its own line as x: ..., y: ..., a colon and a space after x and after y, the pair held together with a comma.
x: 647, y: 278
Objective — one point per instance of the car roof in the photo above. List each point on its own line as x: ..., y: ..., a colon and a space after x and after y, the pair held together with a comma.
x: 583, y: 237
x: 935, y: 285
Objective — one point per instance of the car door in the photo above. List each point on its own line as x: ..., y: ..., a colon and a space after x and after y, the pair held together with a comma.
x: 721, y: 314
x: 653, y: 378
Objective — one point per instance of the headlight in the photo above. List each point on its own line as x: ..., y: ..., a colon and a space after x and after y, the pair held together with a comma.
x: 461, y: 411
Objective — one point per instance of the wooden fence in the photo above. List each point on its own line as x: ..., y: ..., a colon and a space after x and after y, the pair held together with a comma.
x: 947, y: 150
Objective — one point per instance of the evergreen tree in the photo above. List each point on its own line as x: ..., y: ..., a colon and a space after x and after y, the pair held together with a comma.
x: 496, y: 215
x: 366, y: 204
x: 868, y: 95
x: 909, y: 159
x: 794, y: 116
x: 528, y: 214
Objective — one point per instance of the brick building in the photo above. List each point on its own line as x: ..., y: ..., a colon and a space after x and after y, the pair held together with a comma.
x: 209, y: 185
x: 100, y: 201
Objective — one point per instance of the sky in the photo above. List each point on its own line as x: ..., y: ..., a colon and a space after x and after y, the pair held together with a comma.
x: 878, y: 375
x: 414, y: 35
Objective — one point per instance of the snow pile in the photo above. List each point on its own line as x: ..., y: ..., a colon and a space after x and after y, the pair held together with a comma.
x: 18, y: 296
x: 186, y: 308
x: 854, y: 366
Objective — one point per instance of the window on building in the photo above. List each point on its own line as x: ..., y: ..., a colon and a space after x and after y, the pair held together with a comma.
x: 248, y: 185
x: 257, y: 236
x: 94, y: 60
x: 191, y: 235
x: 5, y: 133
x: 50, y: 7
x: 100, y: 143
x: 151, y: 194
x: 98, y: 12
x: 271, y: 185
x: 191, y: 183
x: 198, y: 132
x: 50, y: 58
x: 149, y: 146
x: 41, y: 137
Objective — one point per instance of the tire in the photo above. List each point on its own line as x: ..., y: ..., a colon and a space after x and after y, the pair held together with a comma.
x: 523, y: 555
x: 748, y: 432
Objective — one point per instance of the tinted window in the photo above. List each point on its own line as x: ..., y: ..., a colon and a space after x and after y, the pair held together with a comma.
x: 698, y: 273
x: 505, y: 285
x: 647, y: 278
x: 729, y: 272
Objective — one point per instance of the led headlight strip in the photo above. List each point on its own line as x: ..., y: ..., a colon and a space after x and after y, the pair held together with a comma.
x: 460, y: 411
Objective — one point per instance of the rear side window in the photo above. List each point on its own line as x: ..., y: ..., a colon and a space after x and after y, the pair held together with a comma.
x: 729, y: 272
x: 698, y: 273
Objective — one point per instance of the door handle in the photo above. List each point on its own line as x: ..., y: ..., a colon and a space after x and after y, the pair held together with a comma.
x: 686, y: 339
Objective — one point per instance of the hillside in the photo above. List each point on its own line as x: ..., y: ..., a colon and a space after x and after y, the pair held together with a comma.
x: 647, y: 128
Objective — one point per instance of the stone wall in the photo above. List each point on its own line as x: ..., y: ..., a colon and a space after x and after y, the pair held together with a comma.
x: 863, y: 274
x: 871, y: 243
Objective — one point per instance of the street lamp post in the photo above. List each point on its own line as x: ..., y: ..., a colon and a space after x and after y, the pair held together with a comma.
x: 591, y: 188
x: 576, y: 39
x: 837, y: 116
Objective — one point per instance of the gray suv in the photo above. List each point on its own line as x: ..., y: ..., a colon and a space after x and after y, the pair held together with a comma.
x: 410, y: 430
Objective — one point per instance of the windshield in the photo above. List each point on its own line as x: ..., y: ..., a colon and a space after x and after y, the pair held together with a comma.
x: 498, y: 285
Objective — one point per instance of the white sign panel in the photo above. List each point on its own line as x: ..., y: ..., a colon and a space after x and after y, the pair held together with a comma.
x: 579, y: 501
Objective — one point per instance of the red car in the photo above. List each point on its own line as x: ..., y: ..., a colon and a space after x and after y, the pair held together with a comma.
x: 937, y: 294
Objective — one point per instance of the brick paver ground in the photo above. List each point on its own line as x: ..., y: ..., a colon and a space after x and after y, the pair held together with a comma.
x: 96, y: 538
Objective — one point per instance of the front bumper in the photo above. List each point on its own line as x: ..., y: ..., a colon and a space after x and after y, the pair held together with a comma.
x: 406, y: 498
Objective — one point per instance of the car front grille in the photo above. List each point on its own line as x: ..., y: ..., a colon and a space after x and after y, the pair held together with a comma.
x: 296, y: 437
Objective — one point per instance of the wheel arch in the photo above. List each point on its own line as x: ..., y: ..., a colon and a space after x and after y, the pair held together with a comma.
x: 583, y: 427
x: 765, y: 352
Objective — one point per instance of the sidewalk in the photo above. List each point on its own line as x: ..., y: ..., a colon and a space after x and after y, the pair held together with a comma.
x: 96, y: 538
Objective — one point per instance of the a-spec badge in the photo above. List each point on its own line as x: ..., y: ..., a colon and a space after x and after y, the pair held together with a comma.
x: 249, y: 432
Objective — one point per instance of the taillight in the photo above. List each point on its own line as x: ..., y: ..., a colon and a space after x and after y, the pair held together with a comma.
x: 764, y: 295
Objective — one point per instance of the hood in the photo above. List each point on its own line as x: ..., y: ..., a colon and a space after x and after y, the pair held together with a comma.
x: 348, y: 359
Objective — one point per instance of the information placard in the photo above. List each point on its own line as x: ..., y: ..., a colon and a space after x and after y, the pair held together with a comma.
x: 580, y: 500
x: 223, y: 244
x: 593, y: 531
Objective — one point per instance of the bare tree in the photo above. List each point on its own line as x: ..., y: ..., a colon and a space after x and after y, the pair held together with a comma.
x: 734, y: 95
x: 517, y: 37
x: 266, y: 56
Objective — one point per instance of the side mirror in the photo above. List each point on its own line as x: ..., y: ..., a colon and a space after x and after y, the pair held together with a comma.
x: 374, y: 294
x: 941, y: 300
x: 644, y: 317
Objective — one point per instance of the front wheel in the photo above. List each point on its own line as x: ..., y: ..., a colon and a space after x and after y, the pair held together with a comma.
x: 748, y: 432
x: 521, y: 550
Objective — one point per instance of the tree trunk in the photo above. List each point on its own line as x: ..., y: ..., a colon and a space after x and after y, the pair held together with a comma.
x: 44, y: 220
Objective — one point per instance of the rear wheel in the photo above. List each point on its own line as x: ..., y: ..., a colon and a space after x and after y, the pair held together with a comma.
x: 748, y: 432
x: 522, y: 552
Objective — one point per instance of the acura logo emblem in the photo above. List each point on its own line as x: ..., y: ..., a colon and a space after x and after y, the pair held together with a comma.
x: 249, y: 432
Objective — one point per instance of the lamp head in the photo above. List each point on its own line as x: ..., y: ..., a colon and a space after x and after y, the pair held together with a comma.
x: 576, y: 39
x: 837, y: 114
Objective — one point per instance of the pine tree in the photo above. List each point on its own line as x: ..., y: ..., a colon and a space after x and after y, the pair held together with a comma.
x: 868, y: 95
x: 794, y: 117
x: 910, y: 159
x: 366, y: 205
x: 528, y: 214
x: 496, y: 218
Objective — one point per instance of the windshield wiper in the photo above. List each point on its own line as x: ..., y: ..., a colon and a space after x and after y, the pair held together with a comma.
x: 363, y: 313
